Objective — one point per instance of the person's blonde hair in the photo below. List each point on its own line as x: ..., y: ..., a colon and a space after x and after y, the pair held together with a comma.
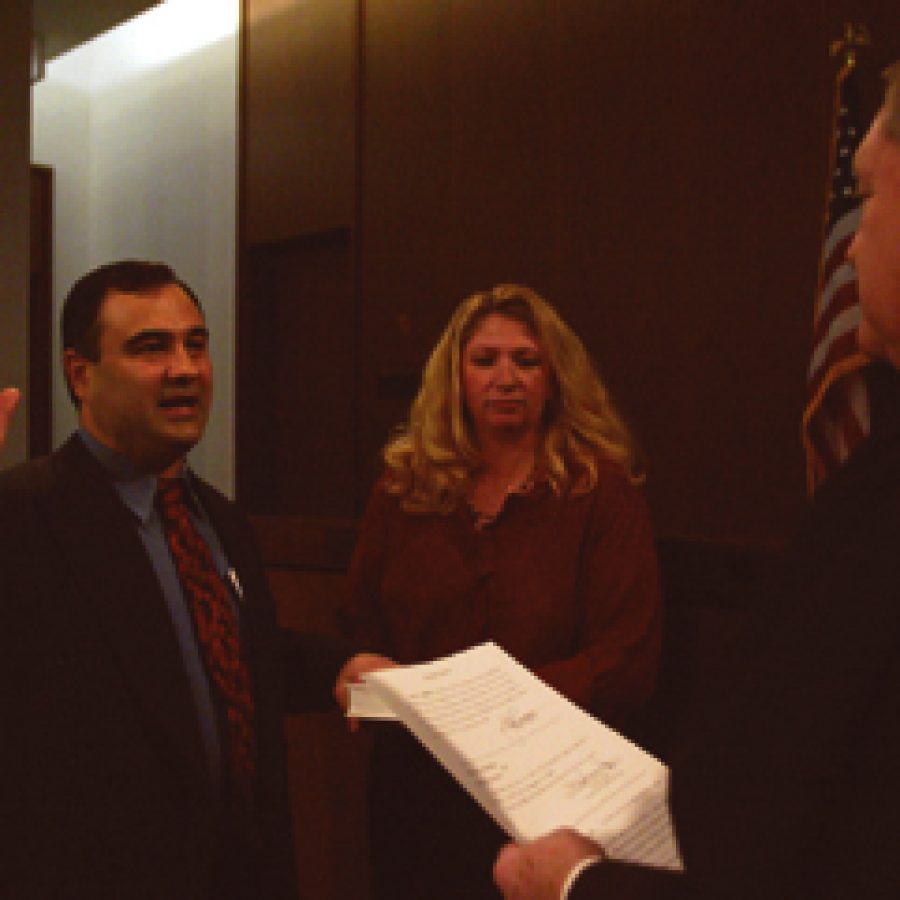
x: 434, y: 456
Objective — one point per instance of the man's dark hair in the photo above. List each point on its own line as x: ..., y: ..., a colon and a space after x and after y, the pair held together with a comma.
x: 80, y: 323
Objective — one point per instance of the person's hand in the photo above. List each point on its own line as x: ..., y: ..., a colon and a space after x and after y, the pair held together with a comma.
x: 352, y: 672
x: 538, y: 871
x: 9, y: 400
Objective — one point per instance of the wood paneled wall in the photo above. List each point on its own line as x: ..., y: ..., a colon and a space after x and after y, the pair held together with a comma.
x: 657, y: 170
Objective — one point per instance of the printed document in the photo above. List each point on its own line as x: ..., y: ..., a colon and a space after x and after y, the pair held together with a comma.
x: 530, y: 757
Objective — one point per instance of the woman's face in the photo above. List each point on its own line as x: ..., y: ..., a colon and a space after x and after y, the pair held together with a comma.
x: 505, y: 377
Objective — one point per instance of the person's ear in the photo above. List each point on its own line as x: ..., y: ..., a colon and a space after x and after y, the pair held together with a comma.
x: 78, y: 372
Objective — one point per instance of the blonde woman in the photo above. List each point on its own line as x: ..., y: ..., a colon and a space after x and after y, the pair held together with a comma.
x: 509, y: 510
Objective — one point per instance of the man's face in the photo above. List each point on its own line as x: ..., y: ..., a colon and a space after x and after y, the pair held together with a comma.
x: 875, y: 251
x: 149, y: 393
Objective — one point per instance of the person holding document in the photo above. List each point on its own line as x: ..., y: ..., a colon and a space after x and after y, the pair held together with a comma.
x: 794, y: 789
x: 144, y: 676
x: 509, y: 511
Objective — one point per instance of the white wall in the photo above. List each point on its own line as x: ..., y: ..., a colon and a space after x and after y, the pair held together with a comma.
x: 145, y: 153
x: 15, y: 41
x: 61, y: 139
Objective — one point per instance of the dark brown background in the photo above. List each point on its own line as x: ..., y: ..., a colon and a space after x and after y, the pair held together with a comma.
x: 656, y: 169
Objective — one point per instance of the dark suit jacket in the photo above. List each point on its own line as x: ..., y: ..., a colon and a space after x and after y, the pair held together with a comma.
x: 104, y: 788
x: 792, y: 788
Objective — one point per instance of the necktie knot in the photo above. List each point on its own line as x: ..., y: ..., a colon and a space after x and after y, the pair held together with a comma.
x: 171, y: 496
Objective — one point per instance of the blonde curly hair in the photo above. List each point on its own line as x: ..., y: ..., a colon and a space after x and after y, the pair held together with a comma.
x: 433, y: 458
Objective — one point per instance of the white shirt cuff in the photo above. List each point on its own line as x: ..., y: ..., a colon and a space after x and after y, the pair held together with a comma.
x: 576, y: 870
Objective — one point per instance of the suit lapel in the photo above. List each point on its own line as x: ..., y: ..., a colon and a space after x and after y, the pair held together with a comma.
x: 235, y: 543
x: 111, y: 567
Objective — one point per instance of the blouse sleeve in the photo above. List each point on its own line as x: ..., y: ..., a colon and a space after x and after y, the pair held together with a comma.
x: 359, y: 616
x: 613, y: 669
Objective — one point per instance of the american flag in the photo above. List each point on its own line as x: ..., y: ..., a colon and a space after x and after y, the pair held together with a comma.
x: 837, y: 415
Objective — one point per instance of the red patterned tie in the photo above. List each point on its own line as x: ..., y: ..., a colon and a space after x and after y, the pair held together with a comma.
x: 217, y: 629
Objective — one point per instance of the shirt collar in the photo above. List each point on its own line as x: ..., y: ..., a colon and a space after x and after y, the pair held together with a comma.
x: 138, y: 491
x: 522, y: 488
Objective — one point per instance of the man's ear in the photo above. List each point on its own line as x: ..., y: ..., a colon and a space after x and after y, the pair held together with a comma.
x: 77, y: 370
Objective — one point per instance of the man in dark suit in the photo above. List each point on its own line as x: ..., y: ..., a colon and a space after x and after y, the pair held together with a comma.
x: 794, y: 788
x: 143, y: 677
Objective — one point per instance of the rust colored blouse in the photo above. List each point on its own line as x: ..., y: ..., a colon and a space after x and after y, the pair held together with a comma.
x: 567, y: 585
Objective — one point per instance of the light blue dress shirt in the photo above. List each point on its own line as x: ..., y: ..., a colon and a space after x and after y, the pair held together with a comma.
x: 138, y: 493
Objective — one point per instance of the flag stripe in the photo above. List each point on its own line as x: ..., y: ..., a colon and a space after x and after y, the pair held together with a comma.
x: 843, y: 231
x: 837, y: 341
x: 837, y: 271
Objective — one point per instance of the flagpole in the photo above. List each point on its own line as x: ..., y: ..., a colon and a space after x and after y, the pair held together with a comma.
x: 855, y: 35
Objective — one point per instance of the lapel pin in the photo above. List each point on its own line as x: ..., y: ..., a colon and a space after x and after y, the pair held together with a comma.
x: 235, y: 583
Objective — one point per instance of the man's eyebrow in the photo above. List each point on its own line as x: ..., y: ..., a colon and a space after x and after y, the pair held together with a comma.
x: 161, y: 335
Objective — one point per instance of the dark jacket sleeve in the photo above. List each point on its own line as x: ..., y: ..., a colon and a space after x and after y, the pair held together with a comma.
x: 792, y: 783
x: 301, y: 668
x: 612, y: 880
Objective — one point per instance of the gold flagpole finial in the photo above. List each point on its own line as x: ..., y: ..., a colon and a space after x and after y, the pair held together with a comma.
x: 854, y: 36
